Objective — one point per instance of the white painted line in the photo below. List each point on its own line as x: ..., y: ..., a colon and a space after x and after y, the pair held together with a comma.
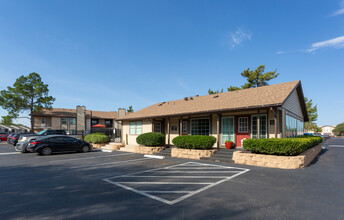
x: 172, y: 170
x: 159, y: 183
x: 112, y: 163
x: 196, y: 171
x: 335, y: 145
x: 84, y: 158
x: 166, y: 191
x: 185, y: 177
x: 106, y: 151
x: 154, y: 156
x: 198, y: 168
x: 10, y: 153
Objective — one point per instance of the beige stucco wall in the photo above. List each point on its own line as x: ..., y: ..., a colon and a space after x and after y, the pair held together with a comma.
x: 56, y: 123
x: 130, y: 139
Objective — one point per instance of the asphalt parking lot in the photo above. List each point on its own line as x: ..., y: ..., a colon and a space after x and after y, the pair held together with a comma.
x: 122, y: 185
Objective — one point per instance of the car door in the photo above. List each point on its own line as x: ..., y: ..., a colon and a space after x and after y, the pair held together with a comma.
x: 71, y: 144
x: 58, y: 144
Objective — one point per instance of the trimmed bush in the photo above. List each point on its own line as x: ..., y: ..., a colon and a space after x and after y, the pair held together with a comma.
x: 97, y: 138
x: 194, y: 142
x: 151, y: 139
x: 281, y: 146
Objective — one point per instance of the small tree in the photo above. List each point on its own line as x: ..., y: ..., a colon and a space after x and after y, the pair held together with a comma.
x: 130, y: 109
x: 210, y: 92
x: 339, y: 129
x: 6, y: 120
x: 312, y: 115
x: 28, y: 93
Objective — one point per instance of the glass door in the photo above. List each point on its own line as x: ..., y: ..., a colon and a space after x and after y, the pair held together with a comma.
x: 263, y: 126
x: 227, y: 129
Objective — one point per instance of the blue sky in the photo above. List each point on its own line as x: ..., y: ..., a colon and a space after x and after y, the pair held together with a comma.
x: 111, y: 54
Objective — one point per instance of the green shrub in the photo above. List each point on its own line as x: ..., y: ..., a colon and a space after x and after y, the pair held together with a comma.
x: 194, y: 142
x: 281, y: 146
x: 97, y: 138
x: 151, y: 139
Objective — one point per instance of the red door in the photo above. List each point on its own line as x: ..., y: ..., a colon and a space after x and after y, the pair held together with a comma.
x: 243, y: 129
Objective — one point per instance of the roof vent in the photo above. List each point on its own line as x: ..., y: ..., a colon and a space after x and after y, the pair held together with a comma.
x: 186, y: 98
x: 161, y: 103
x: 215, y: 96
x: 191, y: 98
x: 197, y: 95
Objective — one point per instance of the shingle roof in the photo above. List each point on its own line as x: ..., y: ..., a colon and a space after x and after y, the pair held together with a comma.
x: 65, y: 112
x: 265, y: 96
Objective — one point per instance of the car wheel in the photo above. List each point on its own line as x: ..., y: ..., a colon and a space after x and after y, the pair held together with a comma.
x: 46, y: 151
x: 85, y: 149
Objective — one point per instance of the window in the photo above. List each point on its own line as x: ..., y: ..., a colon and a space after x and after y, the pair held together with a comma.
x: 157, y: 127
x: 43, y: 122
x: 108, y: 123
x: 72, y: 121
x: 135, y: 127
x: 200, y: 126
x: 64, y: 121
x: 72, y: 131
x: 243, y: 124
x: 174, y: 128
x: 94, y: 122
x: 294, y: 127
x: 227, y: 129
x: 185, y: 129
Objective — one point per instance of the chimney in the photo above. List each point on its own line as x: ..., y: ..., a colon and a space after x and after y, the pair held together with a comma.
x: 80, y: 118
x: 121, y: 112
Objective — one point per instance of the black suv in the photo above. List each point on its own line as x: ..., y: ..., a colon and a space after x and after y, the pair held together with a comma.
x: 51, y: 132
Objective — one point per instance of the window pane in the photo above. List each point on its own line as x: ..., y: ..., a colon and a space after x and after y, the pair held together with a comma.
x: 138, y: 127
x: 200, y: 126
x: 185, y: 127
x: 72, y: 121
x: 243, y: 124
x: 132, y: 127
x: 64, y: 121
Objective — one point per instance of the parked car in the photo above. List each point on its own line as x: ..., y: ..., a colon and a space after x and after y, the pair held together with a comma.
x: 58, y: 143
x: 3, y: 137
x: 24, y: 142
x: 14, y: 138
x: 19, y: 137
x: 9, y: 137
x: 51, y: 132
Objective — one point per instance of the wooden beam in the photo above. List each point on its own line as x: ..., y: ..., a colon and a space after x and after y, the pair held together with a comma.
x: 284, y: 132
x: 258, y: 125
x: 181, y: 126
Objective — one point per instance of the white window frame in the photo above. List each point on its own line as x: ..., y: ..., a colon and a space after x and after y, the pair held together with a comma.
x: 266, y: 125
x: 137, y: 128
x: 240, y: 124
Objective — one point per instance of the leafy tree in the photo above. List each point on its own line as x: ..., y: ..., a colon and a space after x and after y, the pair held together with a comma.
x: 312, y: 115
x: 28, y: 93
x: 255, y: 78
x: 6, y: 120
x: 339, y: 129
x: 210, y: 92
x: 130, y: 109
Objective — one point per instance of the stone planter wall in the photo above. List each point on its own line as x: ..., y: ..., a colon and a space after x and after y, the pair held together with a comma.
x: 98, y: 146
x: 148, y: 150
x: 283, y: 162
x: 191, y: 153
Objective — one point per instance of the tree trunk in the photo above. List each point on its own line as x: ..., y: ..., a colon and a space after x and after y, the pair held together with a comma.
x: 31, y: 116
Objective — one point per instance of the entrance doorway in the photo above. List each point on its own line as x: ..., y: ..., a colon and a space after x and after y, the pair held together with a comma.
x: 227, y: 129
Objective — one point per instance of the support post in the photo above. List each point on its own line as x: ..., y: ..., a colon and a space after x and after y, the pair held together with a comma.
x: 258, y: 125
x: 218, y: 130
x: 153, y: 125
x: 181, y: 126
x: 168, y: 132
x: 284, y: 132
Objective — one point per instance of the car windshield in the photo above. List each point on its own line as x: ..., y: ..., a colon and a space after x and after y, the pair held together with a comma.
x: 41, y: 132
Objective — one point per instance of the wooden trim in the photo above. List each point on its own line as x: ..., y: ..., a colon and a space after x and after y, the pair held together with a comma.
x: 218, y: 118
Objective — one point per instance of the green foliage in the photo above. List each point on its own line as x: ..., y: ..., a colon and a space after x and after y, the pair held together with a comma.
x: 228, y: 141
x: 281, y: 146
x: 194, y: 142
x: 130, y: 109
x: 6, y: 120
x: 151, y: 139
x: 28, y: 93
x: 97, y: 138
x: 255, y: 78
x: 312, y: 115
x: 339, y: 129
x: 211, y: 92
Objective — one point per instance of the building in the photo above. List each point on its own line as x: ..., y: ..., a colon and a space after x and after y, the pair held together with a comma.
x: 16, y: 129
x: 327, y: 129
x: 265, y: 112
x: 77, y: 120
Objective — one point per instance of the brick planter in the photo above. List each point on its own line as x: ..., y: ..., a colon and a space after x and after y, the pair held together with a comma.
x: 148, y: 150
x: 98, y: 146
x: 191, y: 153
x: 282, y: 162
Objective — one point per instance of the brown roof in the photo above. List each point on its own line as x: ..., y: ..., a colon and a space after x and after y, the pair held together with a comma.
x: 265, y: 96
x: 65, y: 112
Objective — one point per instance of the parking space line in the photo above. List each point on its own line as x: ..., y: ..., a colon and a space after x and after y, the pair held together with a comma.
x: 175, y: 180
x: 84, y: 158
x: 9, y: 153
x: 112, y: 163
x: 335, y: 145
